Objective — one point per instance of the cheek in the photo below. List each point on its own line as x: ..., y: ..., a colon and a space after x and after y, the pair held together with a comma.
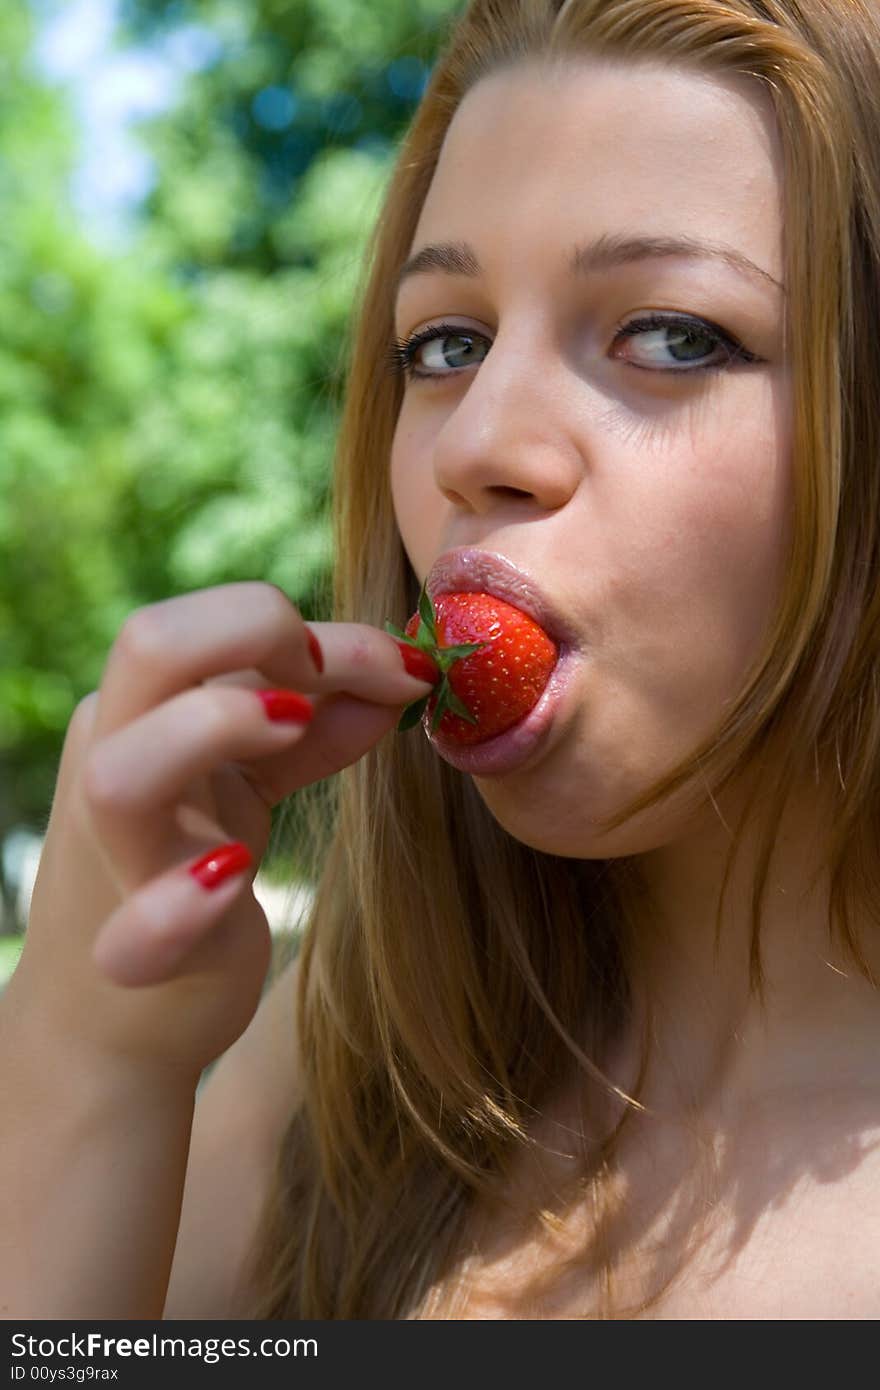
x: 698, y: 579
x: 735, y: 522
x: 418, y: 506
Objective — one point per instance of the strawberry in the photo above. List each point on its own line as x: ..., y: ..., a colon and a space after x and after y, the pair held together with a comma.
x: 493, y: 662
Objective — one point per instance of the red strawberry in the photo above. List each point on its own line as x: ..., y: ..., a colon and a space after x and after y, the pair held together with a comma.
x: 494, y: 661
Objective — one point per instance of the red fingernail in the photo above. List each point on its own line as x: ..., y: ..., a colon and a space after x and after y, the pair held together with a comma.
x: 419, y: 664
x: 286, y: 706
x: 315, y: 649
x: 221, y: 863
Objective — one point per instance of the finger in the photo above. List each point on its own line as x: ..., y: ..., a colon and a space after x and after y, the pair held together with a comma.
x: 252, y: 627
x: 341, y: 731
x: 168, y: 647
x: 149, y: 764
x: 149, y: 937
x: 365, y: 662
x: 358, y: 660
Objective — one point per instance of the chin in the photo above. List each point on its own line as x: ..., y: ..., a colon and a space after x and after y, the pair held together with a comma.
x: 556, y: 816
x: 528, y: 820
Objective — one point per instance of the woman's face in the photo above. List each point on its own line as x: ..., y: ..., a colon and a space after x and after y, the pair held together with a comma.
x: 641, y: 479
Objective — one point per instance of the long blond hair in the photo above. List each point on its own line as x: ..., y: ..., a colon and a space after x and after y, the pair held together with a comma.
x: 448, y: 973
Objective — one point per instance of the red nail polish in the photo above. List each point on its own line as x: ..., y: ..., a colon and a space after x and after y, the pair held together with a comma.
x: 221, y: 863
x: 315, y: 649
x: 419, y: 664
x: 286, y: 706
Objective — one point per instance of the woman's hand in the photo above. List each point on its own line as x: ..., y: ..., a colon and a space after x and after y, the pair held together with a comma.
x: 127, y: 956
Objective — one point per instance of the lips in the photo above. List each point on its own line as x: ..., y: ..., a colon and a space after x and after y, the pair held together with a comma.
x: 469, y: 570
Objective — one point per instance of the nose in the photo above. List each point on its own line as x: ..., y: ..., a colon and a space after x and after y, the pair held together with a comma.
x: 510, y: 435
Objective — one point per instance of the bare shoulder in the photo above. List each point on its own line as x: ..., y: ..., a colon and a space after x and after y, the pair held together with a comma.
x: 240, y: 1117
x: 802, y: 1235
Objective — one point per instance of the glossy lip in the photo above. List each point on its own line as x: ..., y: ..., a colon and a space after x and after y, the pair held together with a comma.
x: 483, y: 571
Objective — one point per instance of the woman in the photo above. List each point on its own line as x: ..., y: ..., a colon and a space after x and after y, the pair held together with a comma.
x: 584, y: 1025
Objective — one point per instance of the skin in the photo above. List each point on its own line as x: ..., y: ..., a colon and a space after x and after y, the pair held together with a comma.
x: 654, y: 509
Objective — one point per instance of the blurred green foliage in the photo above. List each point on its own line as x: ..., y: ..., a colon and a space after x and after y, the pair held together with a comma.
x: 168, y: 413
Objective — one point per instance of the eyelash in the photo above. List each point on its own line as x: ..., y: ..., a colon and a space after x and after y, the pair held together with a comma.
x: 401, y: 354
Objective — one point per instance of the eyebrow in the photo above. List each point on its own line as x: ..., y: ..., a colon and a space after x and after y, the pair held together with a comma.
x: 603, y: 253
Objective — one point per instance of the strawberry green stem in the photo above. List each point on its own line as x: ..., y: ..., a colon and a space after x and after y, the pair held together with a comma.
x: 427, y: 640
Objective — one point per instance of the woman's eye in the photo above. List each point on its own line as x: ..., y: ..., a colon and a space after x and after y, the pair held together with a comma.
x: 673, y: 344
x: 438, y: 351
x: 676, y: 344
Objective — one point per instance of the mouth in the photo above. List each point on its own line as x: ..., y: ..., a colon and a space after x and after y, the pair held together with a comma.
x: 468, y: 570
x: 483, y: 571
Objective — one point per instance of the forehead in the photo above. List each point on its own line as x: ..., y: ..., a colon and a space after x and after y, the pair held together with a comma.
x: 602, y: 145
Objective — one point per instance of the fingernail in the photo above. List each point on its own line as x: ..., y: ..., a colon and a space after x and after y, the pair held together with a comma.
x: 419, y: 664
x: 286, y: 706
x: 315, y: 649
x: 221, y: 863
